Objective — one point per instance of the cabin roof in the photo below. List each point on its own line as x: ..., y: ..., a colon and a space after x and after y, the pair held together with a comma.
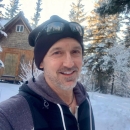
x: 9, y: 23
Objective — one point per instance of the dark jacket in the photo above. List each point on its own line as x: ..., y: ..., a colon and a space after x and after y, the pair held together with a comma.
x: 30, y: 111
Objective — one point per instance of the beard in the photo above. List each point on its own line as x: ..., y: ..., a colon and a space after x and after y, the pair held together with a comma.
x: 61, y: 81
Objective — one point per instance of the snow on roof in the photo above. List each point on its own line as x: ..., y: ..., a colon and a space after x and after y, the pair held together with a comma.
x: 2, y: 32
x: 4, y: 21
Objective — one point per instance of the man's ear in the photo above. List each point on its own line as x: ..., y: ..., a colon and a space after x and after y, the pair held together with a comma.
x: 41, y: 65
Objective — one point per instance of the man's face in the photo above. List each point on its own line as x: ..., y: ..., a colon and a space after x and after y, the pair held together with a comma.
x: 62, y: 64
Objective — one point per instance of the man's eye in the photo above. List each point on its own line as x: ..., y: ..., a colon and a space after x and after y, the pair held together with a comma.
x: 57, y: 53
x: 76, y: 51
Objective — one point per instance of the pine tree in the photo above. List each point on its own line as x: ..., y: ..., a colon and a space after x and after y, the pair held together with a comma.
x: 121, y: 55
x: 101, y: 29
x: 126, y: 22
x: 1, y: 6
x: 12, y: 9
x: 114, y: 7
x: 100, y: 64
x: 36, y: 16
x: 101, y: 36
x: 127, y: 36
x: 120, y: 8
x: 77, y: 14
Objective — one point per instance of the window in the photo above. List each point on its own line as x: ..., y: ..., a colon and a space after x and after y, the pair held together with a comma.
x: 19, y: 28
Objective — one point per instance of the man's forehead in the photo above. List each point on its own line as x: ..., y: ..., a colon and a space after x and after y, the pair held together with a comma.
x: 66, y: 41
x: 53, y: 48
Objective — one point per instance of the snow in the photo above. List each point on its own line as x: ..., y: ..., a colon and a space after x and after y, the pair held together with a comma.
x: 121, y: 54
x: 1, y: 64
x: 3, y: 21
x: 110, y: 112
x: 7, y: 90
x: 26, y: 70
x: 0, y: 49
x: 2, y: 32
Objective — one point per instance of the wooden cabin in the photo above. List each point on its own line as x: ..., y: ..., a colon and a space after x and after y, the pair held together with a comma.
x: 15, y: 46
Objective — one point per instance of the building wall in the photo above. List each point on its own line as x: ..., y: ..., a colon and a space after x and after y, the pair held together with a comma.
x: 23, y: 56
x: 16, y: 39
x: 16, y: 45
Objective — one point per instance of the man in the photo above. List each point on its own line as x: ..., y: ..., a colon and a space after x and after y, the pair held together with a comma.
x: 54, y: 100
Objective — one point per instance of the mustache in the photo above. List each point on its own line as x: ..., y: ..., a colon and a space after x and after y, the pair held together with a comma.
x: 74, y: 68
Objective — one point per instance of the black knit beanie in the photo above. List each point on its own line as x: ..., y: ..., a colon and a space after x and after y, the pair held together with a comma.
x: 43, y: 43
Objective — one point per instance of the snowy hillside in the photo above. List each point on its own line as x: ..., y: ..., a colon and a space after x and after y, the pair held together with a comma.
x: 110, y: 112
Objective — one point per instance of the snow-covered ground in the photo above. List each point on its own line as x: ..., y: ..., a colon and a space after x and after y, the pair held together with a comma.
x: 110, y: 112
x: 7, y: 90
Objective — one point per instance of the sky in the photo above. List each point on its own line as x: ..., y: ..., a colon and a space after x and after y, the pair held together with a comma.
x: 51, y: 7
x: 110, y: 112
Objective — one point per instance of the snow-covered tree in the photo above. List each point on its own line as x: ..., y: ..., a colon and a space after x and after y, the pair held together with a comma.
x: 87, y: 79
x: 1, y: 31
x: 101, y: 29
x: 77, y: 14
x: 116, y: 63
x: 1, y: 63
x: 26, y: 71
x: 12, y: 9
x: 36, y: 16
x: 121, y: 56
x: 101, y: 35
x: 126, y: 22
x: 1, y: 25
x: 114, y: 7
x: 107, y: 61
x: 1, y: 6
x: 99, y: 64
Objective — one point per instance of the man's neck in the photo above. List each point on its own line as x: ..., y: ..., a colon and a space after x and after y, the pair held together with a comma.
x: 65, y: 95
x: 68, y: 97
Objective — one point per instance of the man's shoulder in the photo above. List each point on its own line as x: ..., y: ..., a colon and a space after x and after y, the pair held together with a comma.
x: 82, y: 88
x: 12, y: 102
x: 13, y: 106
x: 16, y: 110
x: 80, y: 85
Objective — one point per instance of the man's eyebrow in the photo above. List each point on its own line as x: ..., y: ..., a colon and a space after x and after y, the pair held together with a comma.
x: 78, y: 48
x: 55, y: 49
x: 59, y: 48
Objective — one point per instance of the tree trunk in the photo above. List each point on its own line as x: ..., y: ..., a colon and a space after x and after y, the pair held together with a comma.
x: 112, y: 89
x: 100, y: 84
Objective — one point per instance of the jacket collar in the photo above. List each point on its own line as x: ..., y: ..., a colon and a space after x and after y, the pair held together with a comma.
x: 42, y: 88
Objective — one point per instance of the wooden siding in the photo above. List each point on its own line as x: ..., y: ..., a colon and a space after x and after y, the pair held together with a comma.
x: 12, y: 58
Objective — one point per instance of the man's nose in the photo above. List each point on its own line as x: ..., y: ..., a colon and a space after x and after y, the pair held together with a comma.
x: 68, y: 61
